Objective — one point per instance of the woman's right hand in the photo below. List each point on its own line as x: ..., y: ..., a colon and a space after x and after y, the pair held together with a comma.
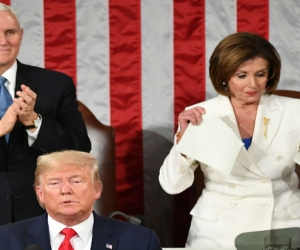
x: 193, y: 115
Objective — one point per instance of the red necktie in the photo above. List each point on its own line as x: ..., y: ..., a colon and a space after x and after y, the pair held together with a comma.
x: 66, y: 244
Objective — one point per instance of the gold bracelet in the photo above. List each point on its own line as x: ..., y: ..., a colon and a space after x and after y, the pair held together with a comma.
x: 178, y: 137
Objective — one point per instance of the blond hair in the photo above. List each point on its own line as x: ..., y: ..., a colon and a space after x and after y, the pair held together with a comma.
x: 55, y: 160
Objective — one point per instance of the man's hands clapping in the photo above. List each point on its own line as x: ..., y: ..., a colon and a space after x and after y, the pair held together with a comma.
x: 26, y: 101
x: 22, y: 109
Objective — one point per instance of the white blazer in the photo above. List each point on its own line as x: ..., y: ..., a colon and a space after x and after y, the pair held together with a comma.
x: 260, y: 193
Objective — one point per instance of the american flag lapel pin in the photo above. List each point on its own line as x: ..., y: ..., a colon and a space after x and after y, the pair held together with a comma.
x: 109, y: 246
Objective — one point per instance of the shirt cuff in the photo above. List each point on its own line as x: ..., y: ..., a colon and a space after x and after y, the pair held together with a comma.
x: 33, y: 135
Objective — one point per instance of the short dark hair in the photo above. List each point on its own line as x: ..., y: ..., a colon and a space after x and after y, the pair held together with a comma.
x: 236, y: 49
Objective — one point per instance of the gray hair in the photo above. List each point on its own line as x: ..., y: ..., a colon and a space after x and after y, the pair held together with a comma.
x: 4, y: 7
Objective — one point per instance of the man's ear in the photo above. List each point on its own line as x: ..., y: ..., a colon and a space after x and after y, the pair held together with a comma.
x: 21, y: 33
x: 39, y: 193
x: 98, y: 191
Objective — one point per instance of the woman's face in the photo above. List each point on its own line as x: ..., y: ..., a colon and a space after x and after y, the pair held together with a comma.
x: 248, y: 83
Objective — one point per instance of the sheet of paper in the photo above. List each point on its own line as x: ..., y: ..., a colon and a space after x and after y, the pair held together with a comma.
x: 212, y: 142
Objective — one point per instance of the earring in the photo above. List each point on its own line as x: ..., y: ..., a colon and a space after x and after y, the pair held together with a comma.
x: 225, y: 84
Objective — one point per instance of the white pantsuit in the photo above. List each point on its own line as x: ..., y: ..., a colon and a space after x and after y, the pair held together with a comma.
x: 260, y: 193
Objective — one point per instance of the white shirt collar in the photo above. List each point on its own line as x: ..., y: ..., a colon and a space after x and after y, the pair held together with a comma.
x: 83, y: 229
x: 10, y: 76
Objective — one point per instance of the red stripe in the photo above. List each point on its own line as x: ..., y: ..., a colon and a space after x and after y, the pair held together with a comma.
x: 253, y: 16
x: 60, y: 36
x: 126, y: 107
x: 7, y: 2
x: 189, y: 53
x: 189, y: 70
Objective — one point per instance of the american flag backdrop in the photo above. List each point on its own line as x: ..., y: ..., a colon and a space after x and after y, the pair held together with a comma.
x: 138, y: 63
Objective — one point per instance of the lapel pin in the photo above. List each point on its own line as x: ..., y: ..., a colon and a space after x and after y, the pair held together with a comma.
x: 109, y: 246
x: 266, y: 121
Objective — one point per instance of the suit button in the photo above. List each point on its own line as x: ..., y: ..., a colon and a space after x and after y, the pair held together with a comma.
x: 268, y: 204
x: 11, y: 168
x: 7, y: 196
x: 279, y: 158
x: 266, y: 181
x: 181, y: 170
x: 233, y: 204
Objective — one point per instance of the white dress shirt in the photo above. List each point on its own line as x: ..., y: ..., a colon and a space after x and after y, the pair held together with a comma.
x: 83, y: 239
x: 10, y: 84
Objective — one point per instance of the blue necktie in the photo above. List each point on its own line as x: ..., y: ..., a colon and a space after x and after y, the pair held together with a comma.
x: 5, y: 100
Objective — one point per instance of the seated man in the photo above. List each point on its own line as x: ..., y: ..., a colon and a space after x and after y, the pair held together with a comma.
x: 67, y: 183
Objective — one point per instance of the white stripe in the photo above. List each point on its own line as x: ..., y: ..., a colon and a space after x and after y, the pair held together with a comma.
x: 157, y: 67
x: 32, y: 21
x: 220, y: 21
x: 157, y: 103
x: 285, y: 36
x: 93, y: 57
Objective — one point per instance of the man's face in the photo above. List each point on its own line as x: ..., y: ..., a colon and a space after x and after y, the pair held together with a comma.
x: 68, y: 194
x: 10, y: 40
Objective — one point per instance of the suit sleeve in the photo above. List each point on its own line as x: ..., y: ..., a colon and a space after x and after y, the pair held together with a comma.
x: 63, y: 126
x: 154, y: 242
x: 177, y: 172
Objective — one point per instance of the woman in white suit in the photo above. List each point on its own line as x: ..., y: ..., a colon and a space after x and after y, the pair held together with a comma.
x: 261, y: 191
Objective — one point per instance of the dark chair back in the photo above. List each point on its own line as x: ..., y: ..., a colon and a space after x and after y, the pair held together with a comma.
x: 287, y: 93
x: 103, y: 148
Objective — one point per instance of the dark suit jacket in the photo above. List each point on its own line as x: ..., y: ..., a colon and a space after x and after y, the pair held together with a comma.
x: 62, y: 128
x: 121, y: 235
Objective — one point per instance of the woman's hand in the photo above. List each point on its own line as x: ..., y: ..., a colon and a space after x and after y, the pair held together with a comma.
x: 193, y: 115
